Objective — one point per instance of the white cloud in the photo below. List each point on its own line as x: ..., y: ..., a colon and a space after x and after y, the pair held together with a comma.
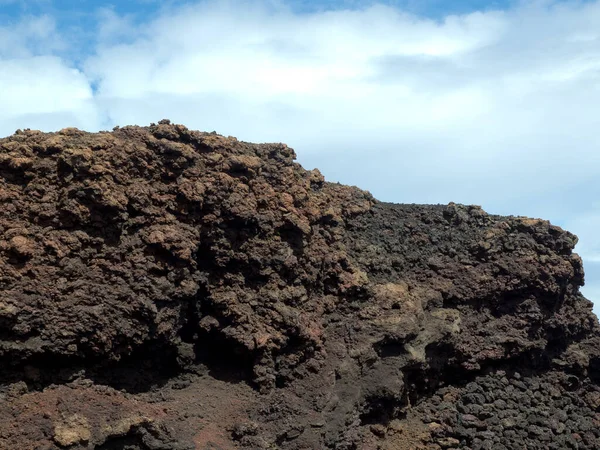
x: 497, y: 89
x: 30, y: 36
x: 42, y: 92
x: 496, y: 108
x: 37, y: 88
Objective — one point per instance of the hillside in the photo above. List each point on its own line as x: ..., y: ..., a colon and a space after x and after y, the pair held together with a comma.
x: 168, y: 289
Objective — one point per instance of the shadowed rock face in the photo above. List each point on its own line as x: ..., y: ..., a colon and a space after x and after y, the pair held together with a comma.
x: 162, y: 288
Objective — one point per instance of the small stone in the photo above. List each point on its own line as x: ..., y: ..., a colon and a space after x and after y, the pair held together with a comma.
x: 487, y: 435
x: 508, y: 423
x: 293, y: 432
x: 7, y: 310
x: 500, y: 404
x: 17, y: 389
x: 395, y: 427
x: 470, y: 421
x: 477, y: 399
x: 378, y: 430
x: 448, y: 442
x: 244, y: 429
x: 73, y: 430
x: 22, y: 246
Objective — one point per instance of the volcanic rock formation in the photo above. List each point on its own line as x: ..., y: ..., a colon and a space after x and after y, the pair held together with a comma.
x: 162, y: 288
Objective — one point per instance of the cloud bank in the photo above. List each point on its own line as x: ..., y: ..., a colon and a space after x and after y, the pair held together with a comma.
x: 497, y: 108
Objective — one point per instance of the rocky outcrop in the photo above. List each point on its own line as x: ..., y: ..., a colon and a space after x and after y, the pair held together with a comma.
x: 162, y: 288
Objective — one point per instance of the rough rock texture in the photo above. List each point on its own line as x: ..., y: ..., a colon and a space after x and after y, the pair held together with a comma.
x: 162, y: 288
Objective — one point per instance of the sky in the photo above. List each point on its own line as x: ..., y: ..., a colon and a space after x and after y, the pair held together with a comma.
x: 492, y: 103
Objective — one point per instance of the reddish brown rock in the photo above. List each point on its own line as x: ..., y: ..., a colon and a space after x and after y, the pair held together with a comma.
x: 162, y: 288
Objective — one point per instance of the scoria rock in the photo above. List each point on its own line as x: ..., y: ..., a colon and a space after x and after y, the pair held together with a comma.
x: 162, y: 288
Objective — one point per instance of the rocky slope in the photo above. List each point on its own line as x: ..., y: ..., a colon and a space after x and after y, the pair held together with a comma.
x: 162, y: 288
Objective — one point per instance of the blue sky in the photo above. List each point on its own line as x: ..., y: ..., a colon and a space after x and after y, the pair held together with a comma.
x: 79, y: 19
x: 431, y: 101
x: 431, y: 8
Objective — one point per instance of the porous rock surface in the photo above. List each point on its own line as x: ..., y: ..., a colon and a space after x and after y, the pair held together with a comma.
x: 162, y: 288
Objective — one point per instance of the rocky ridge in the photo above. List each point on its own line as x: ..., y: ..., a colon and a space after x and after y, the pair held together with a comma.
x: 162, y: 288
